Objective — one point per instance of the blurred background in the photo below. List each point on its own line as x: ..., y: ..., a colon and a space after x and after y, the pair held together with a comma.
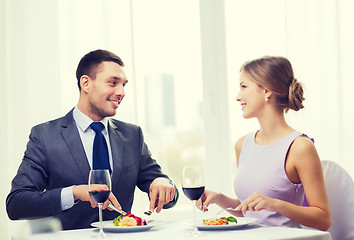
x: 182, y: 60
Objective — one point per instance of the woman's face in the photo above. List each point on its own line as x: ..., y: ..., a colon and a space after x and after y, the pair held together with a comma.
x: 251, y: 96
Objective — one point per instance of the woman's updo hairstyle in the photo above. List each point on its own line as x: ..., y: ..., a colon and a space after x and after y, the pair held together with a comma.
x: 276, y: 75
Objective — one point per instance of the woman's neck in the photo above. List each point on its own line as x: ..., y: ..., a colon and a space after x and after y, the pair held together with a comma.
x: 272, y: 128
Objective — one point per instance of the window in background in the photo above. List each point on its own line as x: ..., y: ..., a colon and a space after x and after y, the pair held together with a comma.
x: 253, y: 28
x: 169, y: 82
x: 316, y: 38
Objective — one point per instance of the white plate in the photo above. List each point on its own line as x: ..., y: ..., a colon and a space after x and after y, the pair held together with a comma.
x: 109, y: 227
x: 241, y: 222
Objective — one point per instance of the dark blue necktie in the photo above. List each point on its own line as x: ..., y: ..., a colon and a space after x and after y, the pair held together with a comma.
x: 100, y: 157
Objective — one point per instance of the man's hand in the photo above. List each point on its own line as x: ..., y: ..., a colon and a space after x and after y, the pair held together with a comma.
x: 163, y: 190
x: 80, y: 192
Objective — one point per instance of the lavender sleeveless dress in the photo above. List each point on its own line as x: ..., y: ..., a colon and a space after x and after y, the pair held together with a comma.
x: 262, y: 169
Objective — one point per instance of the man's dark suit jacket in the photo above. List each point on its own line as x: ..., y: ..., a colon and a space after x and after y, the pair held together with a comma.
x: 55, y: 158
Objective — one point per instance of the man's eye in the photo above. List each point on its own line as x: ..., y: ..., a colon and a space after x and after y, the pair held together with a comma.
x: 113, y: 83
x: 243, y: 86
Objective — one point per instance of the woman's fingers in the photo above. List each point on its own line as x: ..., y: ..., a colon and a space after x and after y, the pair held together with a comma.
x: 255, y: 202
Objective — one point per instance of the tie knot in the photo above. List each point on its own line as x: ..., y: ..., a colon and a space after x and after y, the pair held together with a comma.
x: 97, y: 126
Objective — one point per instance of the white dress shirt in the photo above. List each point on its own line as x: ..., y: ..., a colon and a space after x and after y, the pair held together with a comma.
x: 87, y: 136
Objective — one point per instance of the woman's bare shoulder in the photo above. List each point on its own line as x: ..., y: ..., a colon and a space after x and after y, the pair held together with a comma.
x: 303, y: 153
x: 302, y: 145
x: 238, y: 144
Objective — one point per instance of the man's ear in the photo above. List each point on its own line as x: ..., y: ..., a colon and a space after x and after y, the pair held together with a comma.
x: 85, y: 82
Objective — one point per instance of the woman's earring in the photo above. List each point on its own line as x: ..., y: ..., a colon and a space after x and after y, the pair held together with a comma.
x: 266, y: 99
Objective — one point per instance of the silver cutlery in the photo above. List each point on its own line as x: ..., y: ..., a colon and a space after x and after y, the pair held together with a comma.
x: 229, y: 209
x: 147, y: 213
x: 115, y: 209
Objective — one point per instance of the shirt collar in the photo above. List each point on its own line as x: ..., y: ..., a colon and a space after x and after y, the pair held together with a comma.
x: 84, y: 121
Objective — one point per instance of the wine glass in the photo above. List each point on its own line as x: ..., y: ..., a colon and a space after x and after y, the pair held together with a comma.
x: 99, y: 185
x: 193, y: 187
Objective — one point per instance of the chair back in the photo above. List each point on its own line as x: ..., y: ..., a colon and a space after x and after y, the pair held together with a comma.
x: 340, y: 191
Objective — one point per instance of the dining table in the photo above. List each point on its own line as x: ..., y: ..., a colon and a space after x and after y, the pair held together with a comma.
x: 180, y: 230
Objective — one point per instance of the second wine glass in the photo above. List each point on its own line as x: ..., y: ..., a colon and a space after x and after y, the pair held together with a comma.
x: 99, y: 185
x: 193, y: 185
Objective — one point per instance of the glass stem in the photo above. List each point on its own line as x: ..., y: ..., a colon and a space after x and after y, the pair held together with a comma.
x: 194, y: 220
x: 100, y: 218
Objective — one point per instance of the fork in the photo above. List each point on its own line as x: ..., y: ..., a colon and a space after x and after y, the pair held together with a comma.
x: 148, y: 213
x: 115, y: 209
x: 230, y: 209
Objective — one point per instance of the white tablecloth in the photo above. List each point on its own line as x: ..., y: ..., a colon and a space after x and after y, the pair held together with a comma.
x: 178, y: 230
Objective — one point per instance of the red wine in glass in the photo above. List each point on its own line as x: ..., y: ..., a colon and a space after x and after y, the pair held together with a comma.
x: 100, y: 196
x: 99, y: 186
x: 193, y: 193
x: 193, y: 187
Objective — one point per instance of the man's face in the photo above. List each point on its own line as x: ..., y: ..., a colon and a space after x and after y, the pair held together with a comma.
x: 106, y: 91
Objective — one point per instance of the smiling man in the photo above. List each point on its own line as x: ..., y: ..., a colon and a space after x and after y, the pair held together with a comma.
x: 52, y: 178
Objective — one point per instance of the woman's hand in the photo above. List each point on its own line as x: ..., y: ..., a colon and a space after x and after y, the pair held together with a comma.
x: 208, y: 197
x: 257, y: 202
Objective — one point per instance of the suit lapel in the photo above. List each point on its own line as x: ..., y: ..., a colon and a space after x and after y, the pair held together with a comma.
x: 72, y: 138
x: 116, y: 141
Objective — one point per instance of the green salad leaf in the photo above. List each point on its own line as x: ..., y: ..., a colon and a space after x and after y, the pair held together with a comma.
x: 117, y: 220
x: 231, y: 219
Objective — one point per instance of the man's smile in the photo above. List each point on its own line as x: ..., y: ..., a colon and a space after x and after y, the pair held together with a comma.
x: 115, y: 102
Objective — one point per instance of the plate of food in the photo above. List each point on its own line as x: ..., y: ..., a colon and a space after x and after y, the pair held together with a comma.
x: 222, y: 223
x: 126, y: 223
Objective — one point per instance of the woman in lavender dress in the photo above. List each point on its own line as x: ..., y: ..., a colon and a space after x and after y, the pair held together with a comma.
x: 277, y: 165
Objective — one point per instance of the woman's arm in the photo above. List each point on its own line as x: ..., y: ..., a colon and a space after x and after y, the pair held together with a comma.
x: 303, y: 158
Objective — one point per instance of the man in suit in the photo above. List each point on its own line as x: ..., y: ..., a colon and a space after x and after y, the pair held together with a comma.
x: 52, y: 178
